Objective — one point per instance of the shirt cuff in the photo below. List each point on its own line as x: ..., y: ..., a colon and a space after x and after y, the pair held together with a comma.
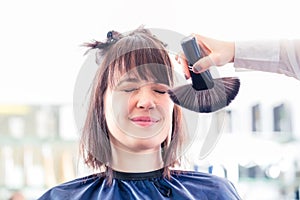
x: 257, y: 55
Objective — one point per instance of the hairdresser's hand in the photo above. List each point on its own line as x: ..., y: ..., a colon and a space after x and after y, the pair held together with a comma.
x: 218, y: 53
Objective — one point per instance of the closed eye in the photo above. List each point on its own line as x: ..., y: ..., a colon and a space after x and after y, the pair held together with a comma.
x: 160, y: 91
x: 129, y: 89
x: 159, y: 88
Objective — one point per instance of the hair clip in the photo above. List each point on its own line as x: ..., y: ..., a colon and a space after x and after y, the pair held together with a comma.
x: 113, y: 36
x: 110, y: 35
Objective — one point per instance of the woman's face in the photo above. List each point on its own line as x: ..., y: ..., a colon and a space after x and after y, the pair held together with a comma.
x: 138, y: 114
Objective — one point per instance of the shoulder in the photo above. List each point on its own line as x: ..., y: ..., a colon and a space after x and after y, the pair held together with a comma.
x: 74, y: 189
x: 197, y: 176
x: 208, y: 184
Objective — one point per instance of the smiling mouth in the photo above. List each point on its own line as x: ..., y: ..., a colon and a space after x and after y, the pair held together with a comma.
x: 144, y: 121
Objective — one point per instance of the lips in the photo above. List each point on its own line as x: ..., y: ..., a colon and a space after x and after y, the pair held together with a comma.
x: 144, y: 121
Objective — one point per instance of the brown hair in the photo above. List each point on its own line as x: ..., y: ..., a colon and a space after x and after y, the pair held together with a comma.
x: 136, y: 48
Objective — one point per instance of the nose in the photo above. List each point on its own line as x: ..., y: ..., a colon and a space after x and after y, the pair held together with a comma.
x: 145, y: 99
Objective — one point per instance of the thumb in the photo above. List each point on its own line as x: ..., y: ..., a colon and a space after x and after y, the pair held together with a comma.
x: 203, y: 64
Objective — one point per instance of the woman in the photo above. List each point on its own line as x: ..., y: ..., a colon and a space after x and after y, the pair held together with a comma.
x: 133, y: 131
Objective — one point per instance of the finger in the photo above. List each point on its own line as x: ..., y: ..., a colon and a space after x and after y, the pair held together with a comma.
x: 186, y: 72
x: 220, y: 52
x: 202, y: 42
x: 207, y: 43
x: 203, y: 64
x: 177, y: 58
x: 185, y: 68
x: 181, y: 59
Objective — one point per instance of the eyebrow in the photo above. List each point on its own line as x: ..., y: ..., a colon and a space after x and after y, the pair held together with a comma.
x: 132, y: 80
x: 136, y: 80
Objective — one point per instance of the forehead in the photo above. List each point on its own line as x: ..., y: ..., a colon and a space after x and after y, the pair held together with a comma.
x: 140, y: 57
x: 154, y: 73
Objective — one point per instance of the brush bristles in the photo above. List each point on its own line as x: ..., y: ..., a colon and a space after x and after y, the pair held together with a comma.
x: 206, y: 101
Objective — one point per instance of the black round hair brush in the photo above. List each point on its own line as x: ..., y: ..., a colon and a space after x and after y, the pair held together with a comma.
x: 205, y: 94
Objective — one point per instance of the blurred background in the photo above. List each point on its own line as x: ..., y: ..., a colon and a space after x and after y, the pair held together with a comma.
x: 41, y: 57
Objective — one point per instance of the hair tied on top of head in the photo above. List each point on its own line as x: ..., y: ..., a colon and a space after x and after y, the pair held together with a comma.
x: 112, y: 37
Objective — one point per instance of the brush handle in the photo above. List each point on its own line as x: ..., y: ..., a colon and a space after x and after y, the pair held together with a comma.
x: 202, y: 81
x: 192, y: 52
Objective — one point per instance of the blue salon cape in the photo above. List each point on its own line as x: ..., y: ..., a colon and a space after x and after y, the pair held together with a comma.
x: 145, y: 186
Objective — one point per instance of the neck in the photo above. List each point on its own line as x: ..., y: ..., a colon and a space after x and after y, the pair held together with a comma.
x: 139, y: 161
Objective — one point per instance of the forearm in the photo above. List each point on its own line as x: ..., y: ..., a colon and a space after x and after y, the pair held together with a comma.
x: 281, y: 57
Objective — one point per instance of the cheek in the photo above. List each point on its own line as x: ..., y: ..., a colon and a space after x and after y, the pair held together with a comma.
x: 119, y: 104
x: 108, y: 110
x: 116, y: 107
x: 170, y: 109
x: 168, y: 106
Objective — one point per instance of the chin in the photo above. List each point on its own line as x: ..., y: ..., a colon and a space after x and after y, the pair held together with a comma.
x: 137, y: 143
x: 146, y: 144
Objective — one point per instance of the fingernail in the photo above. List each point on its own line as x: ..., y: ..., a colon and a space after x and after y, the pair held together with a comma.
x: 197, y: 68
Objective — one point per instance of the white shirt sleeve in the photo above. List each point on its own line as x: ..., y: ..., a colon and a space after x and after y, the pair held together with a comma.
x: 277, y: 56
